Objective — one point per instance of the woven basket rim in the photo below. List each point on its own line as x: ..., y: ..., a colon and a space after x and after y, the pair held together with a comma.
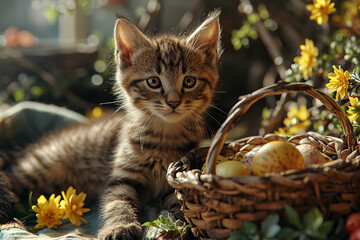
x: 180, y: 175
x: 246, y: 101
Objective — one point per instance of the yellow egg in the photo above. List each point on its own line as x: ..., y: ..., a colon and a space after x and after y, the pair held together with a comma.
x: 231, y: 169
x: 276, y: 157
x: 219, y: 160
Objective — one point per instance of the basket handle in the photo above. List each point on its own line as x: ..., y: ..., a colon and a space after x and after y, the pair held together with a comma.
x: 245, y: 102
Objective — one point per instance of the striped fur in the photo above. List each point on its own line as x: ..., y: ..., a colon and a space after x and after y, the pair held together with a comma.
x: 165, y: 84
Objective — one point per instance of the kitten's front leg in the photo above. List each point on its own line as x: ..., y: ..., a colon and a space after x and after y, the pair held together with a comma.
x: 119, y: 211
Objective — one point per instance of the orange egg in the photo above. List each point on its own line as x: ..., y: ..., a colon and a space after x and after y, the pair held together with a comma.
x: 11, y: 35
x: 26, y: 39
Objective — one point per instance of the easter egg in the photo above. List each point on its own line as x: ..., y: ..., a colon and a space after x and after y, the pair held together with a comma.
x: 11, y: 35
x: 276, y: 157
x: 26, y: 39
x: 231, y: 169
x: 312, y: 155
x: 248, y: 158
x: 219, y: 160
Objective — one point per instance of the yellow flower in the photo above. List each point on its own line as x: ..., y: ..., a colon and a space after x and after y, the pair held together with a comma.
x: 296, y: 121
x: 349, y: 11
x: 339, y: 82
x: 307, y: 61
x: 320, y: 10
x: 48, y: 212
x: 299, y: 128
x: 73, y: 206
x: 354, y: 109
x: 281, y: 131
x: 300, y: 113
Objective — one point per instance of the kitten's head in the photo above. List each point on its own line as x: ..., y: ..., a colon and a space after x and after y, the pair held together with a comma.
x: 169, y: 77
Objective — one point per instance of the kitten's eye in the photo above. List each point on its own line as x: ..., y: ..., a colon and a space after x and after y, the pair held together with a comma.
x: 153, y: 82
x: 189, y: 82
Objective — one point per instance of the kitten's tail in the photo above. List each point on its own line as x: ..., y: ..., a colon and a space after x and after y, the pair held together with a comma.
x: 7, y: 197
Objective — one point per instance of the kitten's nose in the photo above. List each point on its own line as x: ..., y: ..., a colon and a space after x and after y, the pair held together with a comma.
x: 173, y: 104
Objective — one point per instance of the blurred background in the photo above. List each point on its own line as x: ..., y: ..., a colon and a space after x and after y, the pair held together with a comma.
x: 60, y: 51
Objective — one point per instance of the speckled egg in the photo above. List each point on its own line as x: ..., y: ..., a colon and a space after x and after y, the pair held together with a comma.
x: 248, y: 158
x: 312, y: 155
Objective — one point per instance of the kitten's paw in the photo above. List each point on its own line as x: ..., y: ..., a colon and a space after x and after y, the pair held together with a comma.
x: 127, y: 232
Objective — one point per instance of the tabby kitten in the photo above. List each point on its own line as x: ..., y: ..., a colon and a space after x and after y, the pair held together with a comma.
x: 165, y: 83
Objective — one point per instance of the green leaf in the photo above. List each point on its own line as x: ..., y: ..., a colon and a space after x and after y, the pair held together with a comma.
x: 248, y: 231
x: 270, y: 226
x: 288, y: 233
x: 170, y: 220
x: 326, y: 227
x: 313, y: 219
x: 253, y: 18
x: 19, y: 94
x: 293, y: 217
x: 236, y: 43
x: 20, y: 210
x: 30, y: 201
x: 163, y: 219
x: 339, y: 232
x: 51, y: 14
x: 166, y: 227
x: 272, y: 231
x: 265, y: 113
x: 157, y: 222
x: 36, y: 91
x: 149, y: 224
x: 263, y: 12
x: 303, y: 237
x: 253, y: 34
x: 30, y: 216
x: 316, y: 235
x: 355, y: 71
x: 173, y: 225
x: 84, y: 3
x: 250, y: 228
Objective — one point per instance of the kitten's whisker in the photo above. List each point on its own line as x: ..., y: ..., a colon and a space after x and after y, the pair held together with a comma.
x: 217, y: 108
x: 138, y: 116
x: 116, y: 111
x: 131, y: 123
x: 208, y: 114
x: 118, y: 121
x: 106, y: 103
x: 193, y: 116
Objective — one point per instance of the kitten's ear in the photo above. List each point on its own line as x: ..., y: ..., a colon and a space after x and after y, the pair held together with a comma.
x: 128, y: 39
x: 207, y: 35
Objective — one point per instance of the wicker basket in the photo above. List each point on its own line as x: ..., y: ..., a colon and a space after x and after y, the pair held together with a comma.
x: 216, y: 206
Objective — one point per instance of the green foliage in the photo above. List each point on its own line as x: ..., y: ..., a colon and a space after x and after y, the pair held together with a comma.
x: 311, y: 227
x: 241, y: 37
x: 54, y: 9
x: 23, y: 211
x: 167, y: 225
x: 248, y: 231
